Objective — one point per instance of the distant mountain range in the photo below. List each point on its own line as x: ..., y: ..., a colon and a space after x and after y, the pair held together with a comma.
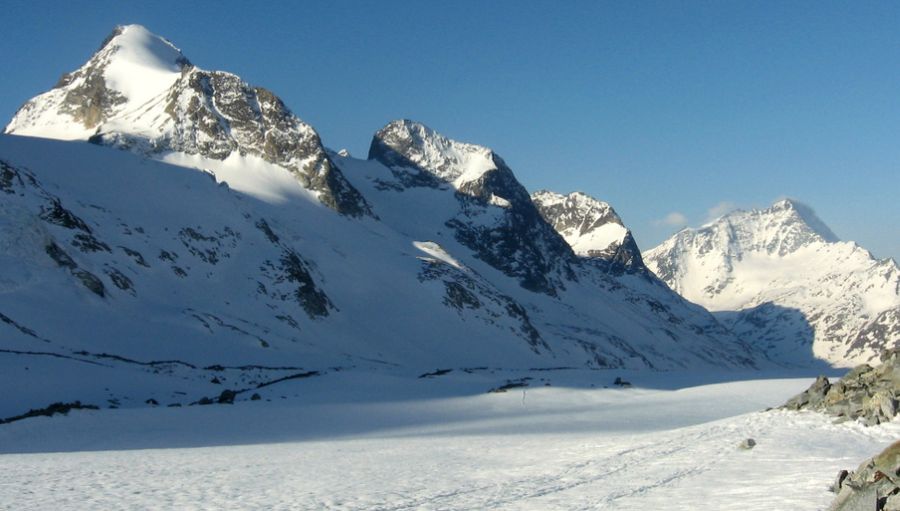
x: 205, y: 238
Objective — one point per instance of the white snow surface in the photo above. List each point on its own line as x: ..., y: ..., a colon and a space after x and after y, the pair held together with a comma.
x: 784, y: 256
x: 437, y: 253
x: 603, y: 236
x: 383, y: 441
x: 248, y: 174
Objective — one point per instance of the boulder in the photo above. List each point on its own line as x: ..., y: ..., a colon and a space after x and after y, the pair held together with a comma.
x: 839, y: 481
x: 747, y: 444
x: 889, y: 354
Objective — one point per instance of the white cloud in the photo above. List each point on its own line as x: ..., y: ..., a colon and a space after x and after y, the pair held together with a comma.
x: 719, y: 209
x: 674, y: 219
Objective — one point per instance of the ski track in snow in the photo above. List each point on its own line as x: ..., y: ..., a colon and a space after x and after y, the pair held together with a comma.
x: 538, y: 461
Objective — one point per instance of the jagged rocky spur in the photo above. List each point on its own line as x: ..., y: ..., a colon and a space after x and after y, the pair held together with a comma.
x: 511, y: 236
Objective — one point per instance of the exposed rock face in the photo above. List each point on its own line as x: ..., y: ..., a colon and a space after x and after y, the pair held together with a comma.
x: 780, y: 278
x: 592, y: 228
x: 867, y: 393
x: 138, y: 92
x: 497, y: 219
x: 875, y: 485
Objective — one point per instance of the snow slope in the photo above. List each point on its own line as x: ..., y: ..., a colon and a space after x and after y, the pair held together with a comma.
x: 386, y: 443
x: 780, y: 278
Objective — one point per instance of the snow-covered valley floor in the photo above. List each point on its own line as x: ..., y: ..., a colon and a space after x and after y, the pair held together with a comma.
x: 358, y: 440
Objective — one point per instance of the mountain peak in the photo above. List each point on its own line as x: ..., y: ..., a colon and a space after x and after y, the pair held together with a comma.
x: 138, y: 64
x: 781, y: 229
x: 412, y: 145
x: 132, y: 68
x: 593, y: 210
x: 807, y: 215
x: 496, y: 217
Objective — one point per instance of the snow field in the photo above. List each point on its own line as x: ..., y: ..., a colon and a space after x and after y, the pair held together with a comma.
x: 546, y: 448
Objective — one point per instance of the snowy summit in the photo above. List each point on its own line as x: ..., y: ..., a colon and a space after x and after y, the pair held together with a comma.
x: 127, y: 82
x: 781, y: 276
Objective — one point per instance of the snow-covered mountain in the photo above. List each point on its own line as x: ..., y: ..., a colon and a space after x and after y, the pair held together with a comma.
x: 781, y: 279
x: 186, y: 250
x: 592, y: 228
x: 139, y: 92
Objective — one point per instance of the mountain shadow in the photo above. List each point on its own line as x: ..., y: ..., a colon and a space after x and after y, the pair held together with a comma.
x: 782, y: 334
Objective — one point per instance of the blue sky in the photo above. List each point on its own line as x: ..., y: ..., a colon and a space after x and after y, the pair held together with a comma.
x: 671, y: 111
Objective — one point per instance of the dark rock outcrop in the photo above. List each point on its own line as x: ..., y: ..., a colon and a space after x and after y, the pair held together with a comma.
x: 51, y: 410
x: 216, y: 114
x: 867, y: 393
